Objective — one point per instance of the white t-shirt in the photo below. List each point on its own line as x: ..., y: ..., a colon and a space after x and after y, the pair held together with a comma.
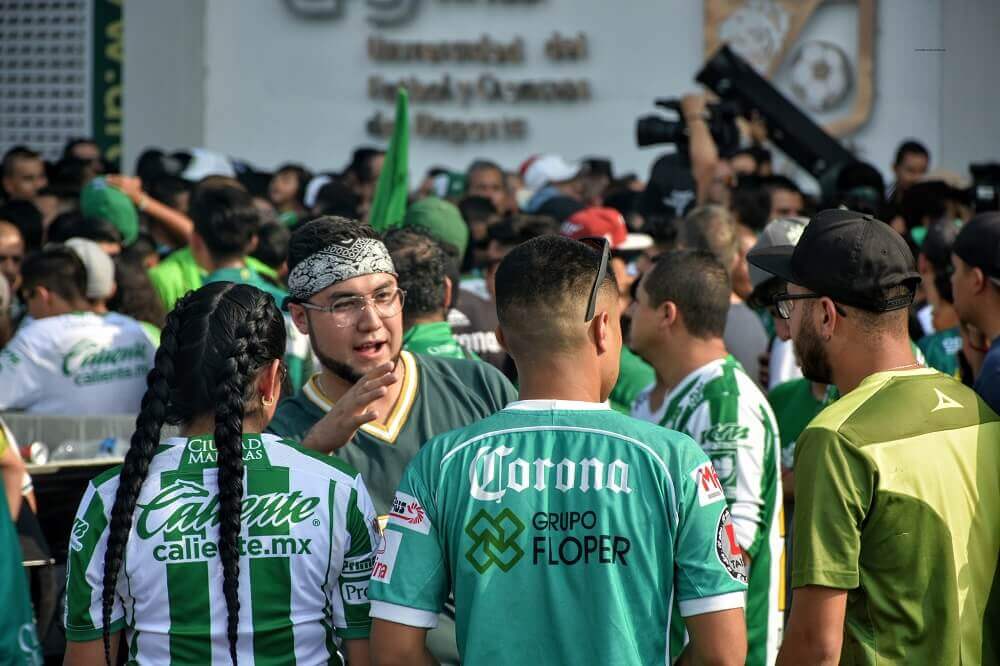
x: 80, y: 364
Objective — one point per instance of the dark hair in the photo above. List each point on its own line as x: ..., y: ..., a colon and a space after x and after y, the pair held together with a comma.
x: 482, y: 165
x: 75, y: 225
x: 59, y: 270
x: 860, y: 187
x: 14, y: 154
x: 135, y: 295
x: 313, y: 236
x: 215, y: 340
x: 697, y: 284
x: 140, y: 249
x: 272, y: 244
x: 422, y: 267
x: 910, y: 147
x: 26, y: 217
x: 166, y: 188
x: 517, y: 229
x: 751, y: 205
x: 302, y: 174
x: 476, y: 209
x: 337, y: 199
x: 361, y: 164
x: 537, y: 279
x: 225, y: 218
x: 73, y: 143
x: 67, y: 176
x: 711, y: 229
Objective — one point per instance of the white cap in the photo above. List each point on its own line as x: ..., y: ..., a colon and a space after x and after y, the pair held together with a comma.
x: 206, y: 163
x: 547, y: 169
x: 313, y: 188
x: 99, y: 266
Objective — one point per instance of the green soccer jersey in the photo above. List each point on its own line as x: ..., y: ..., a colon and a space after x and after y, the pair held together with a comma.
x: 897, y: 502
x: 795, y: 405
x: 941, y: 350
x: 722, y: 409
x: 565, y: 530
x: 634, y: 375
x: 180, y: 273
x: 435, y: 339
x: 438, y: 395
x: 306, y: 551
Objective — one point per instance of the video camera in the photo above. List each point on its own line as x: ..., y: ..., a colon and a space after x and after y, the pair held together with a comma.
x: 654, y: 129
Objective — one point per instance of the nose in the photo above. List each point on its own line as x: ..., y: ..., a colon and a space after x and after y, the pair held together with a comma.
x: 368, y: 318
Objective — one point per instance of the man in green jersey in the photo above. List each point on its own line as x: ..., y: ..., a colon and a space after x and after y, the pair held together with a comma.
x: 896, y: 537
x: 565, y: 529
x: 677, y: 326
x: 422, y: 265
x: 373, y: 403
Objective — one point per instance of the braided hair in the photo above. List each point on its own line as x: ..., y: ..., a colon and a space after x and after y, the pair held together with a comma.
x: 213, y: 344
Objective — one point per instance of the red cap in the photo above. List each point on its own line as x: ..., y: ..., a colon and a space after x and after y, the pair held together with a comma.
x: 601, y: 222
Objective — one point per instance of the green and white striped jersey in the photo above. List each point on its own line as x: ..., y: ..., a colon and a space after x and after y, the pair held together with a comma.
x: 306, y: 552
x: 566, y: 531
x: 722, y: 409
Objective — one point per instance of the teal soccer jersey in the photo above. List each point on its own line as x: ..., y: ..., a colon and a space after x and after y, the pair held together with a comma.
x: 566, y: 532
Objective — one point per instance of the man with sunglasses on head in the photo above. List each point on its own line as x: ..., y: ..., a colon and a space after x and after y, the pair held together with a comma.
x: 896, y: 498
x: 372, y: 403
x: 567, y: 531
x: 678, y: 320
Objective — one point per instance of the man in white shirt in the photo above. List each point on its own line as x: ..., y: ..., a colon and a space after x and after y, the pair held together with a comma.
x: 68, y: 359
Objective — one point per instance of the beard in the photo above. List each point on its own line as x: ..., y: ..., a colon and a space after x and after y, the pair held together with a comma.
x: 345, y: 371
x: 812, y: 356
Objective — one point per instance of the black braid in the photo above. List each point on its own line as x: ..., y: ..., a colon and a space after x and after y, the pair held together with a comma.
x: 235, y: 374
x: 144, y: 441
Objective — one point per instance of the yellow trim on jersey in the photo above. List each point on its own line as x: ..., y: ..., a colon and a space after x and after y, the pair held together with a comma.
x: 390, y: 429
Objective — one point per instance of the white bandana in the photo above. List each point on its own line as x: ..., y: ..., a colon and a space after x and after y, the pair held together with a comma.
x: 336, y: 263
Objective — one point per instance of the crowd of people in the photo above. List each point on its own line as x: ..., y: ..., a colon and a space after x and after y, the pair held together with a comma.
x: 555, y: 415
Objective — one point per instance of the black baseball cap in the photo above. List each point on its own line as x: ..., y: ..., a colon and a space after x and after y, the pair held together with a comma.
x: 847, y: 256
x: 978, y: 243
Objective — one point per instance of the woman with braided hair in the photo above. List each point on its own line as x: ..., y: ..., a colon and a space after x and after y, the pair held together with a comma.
x: 221, y: 545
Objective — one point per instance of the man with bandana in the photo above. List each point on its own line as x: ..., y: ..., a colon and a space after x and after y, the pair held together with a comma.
x: 372, y: 404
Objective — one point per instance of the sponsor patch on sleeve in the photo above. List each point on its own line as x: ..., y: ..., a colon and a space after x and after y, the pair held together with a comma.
x: 727, y: 550
x: 385, y: 556
x: 407, y: 512
x: 80, y: 527
x: 709, y: 487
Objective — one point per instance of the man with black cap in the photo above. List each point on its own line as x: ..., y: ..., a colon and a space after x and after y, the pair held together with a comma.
x: 976, y: 290
x: 896, y: 537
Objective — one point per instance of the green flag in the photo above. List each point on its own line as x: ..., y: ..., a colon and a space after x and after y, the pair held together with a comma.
x: 389, y: 203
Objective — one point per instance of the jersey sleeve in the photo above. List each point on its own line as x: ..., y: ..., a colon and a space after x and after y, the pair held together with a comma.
x: 834, y: 487
x: 20, y: 380
x: 736, y: 440
x: 709, y: 573
x: 350, y: 603
x: 85, y: 571
x: 410, y: 581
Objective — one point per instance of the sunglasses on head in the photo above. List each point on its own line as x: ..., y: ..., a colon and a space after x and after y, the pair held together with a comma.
x: 602, y: 246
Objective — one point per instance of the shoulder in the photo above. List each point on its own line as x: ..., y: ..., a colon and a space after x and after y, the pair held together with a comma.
x: 288, y: 452
x: 467, y: 371
x: 294, y: 416
x: 785, y: 390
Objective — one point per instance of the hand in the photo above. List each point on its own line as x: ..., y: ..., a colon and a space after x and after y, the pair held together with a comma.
x: 352, y: 411
x: 693, y: 105
x: 130, y: 185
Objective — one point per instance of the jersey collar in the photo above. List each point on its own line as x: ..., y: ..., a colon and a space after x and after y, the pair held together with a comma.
x: 550, y: 405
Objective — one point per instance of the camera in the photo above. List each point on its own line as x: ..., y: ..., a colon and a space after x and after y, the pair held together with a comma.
x: 654, y: 129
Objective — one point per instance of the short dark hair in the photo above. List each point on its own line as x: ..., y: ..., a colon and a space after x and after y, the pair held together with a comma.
x: 136, y: 296
x: 517, y: 229
x: 910, y: 147
x: 225, y: 218
x: 75, y: 225
x: 751, y: 204
x: 476, y: 209
x: 58, y: 269
x: 167, y: 188
x: 361, y: 164
x: 697, y: 284
x: 317, y: 234
x: 25, y: 216
x: 542, y: 287
x: 711, y: 229
x: 779, y: 182
x: 13, y: 155
x: 337, y: 199
x: 302, y: 174
x: 482, y: 165
x: 73, y: 143
x: 422, y: 265
x: 272, y: 244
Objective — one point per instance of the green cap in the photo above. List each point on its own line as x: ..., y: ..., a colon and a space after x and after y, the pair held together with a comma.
x: 441, y: 220
x: 98, y: 199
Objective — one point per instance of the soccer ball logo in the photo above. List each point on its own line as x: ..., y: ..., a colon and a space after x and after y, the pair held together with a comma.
x: 820, y: 75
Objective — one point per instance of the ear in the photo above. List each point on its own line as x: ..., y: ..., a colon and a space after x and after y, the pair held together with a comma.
x: 501, y: 340
x: 669, y: 314
x: 979, y: 279
x: 828, y: 318
x: 448, y: 286
x: 299, y: 317
x: 269, y: 382
x: 601, y: 326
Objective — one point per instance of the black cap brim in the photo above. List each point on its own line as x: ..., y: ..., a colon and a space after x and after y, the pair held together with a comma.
x: 775, y: 260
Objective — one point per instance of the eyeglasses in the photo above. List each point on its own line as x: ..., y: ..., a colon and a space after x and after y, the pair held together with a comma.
x: 347, y: 310
x: 783, y: 303
x: 604, y: 247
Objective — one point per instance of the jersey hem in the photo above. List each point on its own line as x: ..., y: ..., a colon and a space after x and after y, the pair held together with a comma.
x: 712, y: 604
x: 412, y: 617
x: 840, y: 580
x: 90, y: 634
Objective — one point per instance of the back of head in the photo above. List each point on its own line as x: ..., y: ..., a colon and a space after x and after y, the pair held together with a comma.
x: 272, y: 244
x: 75, y: 225
x: 542, y: 290
x: 26, y: 217
x: 711, y: 229
x: 697, y: 284
x: 360, y: 168
x: 59, y: 270
x: 323, y: 232
x: 860, y: 187
x: 517, y: 229
x: 422, y: 265
x: 751, y: 204
x: 337, y: 199
x: 476, y: 209
x: 135, y: 296
x: 226, y: 220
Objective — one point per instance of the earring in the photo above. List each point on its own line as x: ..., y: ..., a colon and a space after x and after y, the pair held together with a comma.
x: 267, y: 402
